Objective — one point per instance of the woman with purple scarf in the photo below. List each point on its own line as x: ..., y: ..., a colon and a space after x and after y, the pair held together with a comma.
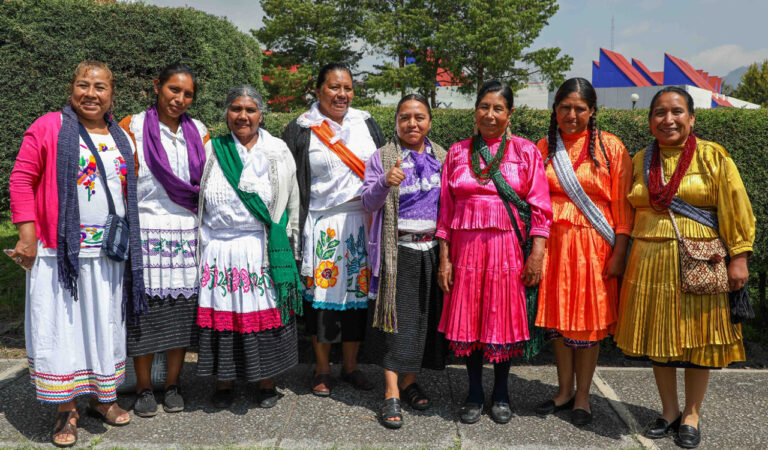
x: 402, y: 190
x: 170, y: 156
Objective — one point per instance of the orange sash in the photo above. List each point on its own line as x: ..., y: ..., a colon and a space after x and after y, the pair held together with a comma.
x: 329, y: 138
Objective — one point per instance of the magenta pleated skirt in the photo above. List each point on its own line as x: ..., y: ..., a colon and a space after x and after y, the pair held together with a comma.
x: 486, y: 304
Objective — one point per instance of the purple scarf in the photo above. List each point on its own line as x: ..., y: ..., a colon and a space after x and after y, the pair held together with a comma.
x: 181, y: 192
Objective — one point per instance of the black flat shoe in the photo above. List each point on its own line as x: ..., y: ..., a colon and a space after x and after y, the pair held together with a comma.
x: 549, y: 407
x: 223, y: 398
x: 660, y: 428
x: 267, y: 397
x: 688, y: 437
x: 501, y: 412
x: 470, y: 412
x: 581, y: 417
x: 391, y: 413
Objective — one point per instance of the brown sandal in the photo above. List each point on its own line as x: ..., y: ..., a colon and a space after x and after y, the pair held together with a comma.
x: 110, y: 416
x: 321, y: 384
x: 64, y: 426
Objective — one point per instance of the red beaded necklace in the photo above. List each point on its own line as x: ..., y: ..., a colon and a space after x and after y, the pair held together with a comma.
x: 661, y: 195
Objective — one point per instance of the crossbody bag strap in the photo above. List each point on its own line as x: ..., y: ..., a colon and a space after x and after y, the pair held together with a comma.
x: 89, y: 142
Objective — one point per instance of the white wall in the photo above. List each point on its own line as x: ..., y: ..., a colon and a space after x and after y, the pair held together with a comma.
x: 618, y: 98
x: 534, y: 96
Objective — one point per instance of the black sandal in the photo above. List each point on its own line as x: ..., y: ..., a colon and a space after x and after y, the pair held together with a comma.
x: 415, y: 397
x: 390, y: 410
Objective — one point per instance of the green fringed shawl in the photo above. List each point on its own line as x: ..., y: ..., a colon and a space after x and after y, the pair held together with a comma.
x: 508, y: 195
x: 282, y: 267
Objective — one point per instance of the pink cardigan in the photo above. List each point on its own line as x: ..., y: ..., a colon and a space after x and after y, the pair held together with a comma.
x: 33, y: 186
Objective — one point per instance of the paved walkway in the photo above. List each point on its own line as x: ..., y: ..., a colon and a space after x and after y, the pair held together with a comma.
x: 735, y: 414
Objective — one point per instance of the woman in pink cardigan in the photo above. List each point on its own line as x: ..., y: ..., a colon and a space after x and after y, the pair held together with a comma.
x: 75, y: 175
x: 494, y: 201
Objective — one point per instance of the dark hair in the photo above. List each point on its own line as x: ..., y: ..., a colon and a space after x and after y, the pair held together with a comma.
x: 677, y: 90
x: 174, y: 68
x: 496, y: 86
x: 584, y: 88
x: 331, y: 67
x: 417, y: 97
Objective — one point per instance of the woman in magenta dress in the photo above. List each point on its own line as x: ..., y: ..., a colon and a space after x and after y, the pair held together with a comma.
x: 482, y: 268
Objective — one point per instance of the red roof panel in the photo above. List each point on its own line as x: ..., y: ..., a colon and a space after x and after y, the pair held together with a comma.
x: 690, y: 72
x: 721, y: 101
x: 626, y: 68
x: 657, y: 77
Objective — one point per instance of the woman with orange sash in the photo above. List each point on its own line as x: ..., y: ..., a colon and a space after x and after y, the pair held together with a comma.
x: 589, y: 173
x: 331, y: 143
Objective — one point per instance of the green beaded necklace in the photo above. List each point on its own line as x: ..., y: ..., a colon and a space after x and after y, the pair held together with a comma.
x: 483, y: 176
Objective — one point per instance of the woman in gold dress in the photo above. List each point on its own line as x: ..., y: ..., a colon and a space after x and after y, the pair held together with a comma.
x: 656, y: 319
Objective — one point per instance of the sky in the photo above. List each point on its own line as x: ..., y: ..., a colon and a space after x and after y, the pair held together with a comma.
x: 716, y: 36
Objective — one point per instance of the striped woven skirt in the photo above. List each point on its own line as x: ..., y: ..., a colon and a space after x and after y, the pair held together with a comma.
x: 169, y: 324
x: 230, y: 355
x: 658, y: 321
x: 418, y: 304
x: 75, y: 347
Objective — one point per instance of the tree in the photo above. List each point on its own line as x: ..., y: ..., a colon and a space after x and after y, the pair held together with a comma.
x: 754, y: 85
x: 402, y: 30
x: 306, y: 34
x: 473, y: 40
x: 487, y: 39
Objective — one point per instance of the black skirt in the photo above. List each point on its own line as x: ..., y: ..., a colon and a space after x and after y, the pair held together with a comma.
x: 247, y: 356
x: 170, y: 323
x: 332, y: 326
x: 419, y: 303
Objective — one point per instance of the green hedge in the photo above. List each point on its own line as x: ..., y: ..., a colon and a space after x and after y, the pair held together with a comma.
x: 41, y: 42
x: 742, y: 132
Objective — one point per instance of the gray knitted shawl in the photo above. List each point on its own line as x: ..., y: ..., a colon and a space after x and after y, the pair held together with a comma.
x: 385, y: 316
x: 68, y: 231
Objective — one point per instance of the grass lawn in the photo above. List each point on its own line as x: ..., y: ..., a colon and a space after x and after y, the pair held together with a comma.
x: 12, y: 284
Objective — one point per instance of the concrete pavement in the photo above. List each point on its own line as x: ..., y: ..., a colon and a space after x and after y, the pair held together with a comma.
x: 623, y: 400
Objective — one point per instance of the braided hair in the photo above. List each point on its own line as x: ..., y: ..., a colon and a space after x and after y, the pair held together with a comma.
x: 584, y: 88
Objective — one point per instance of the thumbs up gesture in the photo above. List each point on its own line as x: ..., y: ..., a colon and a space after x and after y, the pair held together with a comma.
x: 395, y: 175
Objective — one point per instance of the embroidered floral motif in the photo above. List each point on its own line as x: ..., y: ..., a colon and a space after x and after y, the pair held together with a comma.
x: 169, y: 247
x: 362, y: 279
x: 325, y: 274
x: 357, y: 264
x: 326, y: 245
x: 121, y: 168
x: 91, y: 236
x: 232, y: 279
x: 87, y: 175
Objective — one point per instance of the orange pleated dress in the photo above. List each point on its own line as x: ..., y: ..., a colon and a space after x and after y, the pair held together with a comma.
x: 574, y: 297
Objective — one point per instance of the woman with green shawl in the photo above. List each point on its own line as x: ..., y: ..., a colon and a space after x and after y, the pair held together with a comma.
x: 248, y: 278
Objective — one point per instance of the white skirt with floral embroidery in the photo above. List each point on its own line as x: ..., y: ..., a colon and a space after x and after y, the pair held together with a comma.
x: 335, y: 259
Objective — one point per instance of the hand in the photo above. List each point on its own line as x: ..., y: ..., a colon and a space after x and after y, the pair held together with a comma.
x: 532, y: 270
x: 531, y: 275
x: 25, y: 252
x: 445, y: 275
x: 615, y: 266
x: 395, y: 175
x: 738, y: 272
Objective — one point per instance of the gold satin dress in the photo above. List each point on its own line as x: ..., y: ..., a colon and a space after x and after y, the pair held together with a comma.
x: 656, y: 319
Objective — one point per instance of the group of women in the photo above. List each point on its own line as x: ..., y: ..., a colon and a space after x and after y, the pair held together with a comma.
x: 148, y: 236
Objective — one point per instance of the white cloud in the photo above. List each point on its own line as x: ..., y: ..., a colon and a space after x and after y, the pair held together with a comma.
x: 724, y: 58
x: 635, y: 29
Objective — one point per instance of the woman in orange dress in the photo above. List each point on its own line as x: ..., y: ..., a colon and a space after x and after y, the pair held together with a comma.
x: 585, y: 253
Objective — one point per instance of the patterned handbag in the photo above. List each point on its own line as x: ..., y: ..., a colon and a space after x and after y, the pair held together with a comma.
x: 702, y: 264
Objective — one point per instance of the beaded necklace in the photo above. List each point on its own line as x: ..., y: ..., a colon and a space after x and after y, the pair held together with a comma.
x: 483, y: 176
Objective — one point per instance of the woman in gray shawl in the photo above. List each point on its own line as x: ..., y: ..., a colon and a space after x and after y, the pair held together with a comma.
x: 402, y: 190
